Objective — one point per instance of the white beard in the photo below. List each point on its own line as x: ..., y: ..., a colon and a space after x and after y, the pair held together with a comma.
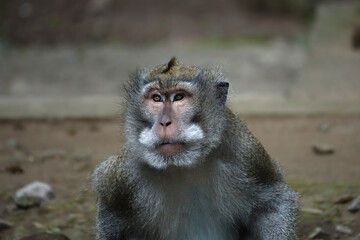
x: 188, y: 157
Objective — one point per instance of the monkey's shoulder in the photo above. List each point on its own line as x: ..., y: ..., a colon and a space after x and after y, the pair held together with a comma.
x: 110, y: 179
x: 252, y: 156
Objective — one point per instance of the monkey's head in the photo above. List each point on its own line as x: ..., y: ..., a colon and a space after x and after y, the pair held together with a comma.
x: 175, y: 114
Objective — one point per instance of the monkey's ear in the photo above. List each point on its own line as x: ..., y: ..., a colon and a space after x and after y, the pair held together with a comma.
x: 222, y: 91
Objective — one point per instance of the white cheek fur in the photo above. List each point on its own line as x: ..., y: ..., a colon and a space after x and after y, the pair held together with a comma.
x: 147, y: 137
x: 192, y: 133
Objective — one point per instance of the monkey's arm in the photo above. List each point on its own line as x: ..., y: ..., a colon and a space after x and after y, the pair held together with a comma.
x: 275, y: 218
x: 109, y: 225
x: 112, y: 199
x: 275, y: 204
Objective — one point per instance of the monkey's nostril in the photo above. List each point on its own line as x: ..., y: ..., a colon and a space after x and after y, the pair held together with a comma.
x: 165, y: 124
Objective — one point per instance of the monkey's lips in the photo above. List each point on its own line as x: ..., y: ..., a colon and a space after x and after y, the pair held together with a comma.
x: 168, y: 147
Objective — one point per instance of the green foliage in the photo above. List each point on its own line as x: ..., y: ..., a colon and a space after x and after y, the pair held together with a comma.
x: 19, y: 232
x: 56, y: 230
x: 321, y: 196
x: 303, y: 9
x: 358, y: 11
x: 54, y: 22
x: 2, y: 9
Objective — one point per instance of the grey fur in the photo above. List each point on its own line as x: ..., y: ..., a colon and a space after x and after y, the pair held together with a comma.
x: 234, y: 190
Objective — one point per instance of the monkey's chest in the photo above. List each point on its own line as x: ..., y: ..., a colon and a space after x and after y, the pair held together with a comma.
x: 192, y: 215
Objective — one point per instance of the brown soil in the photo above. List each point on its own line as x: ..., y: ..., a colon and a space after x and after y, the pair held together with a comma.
x: 64, y: 152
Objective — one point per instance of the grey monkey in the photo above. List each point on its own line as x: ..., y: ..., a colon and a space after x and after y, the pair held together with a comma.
x: 190, y: 169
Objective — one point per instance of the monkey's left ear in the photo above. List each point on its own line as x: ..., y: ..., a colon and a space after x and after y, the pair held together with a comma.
x: 222, y: 91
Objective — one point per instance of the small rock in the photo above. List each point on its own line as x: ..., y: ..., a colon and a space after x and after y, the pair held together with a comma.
x: 344, y: 199
x: 319, y: 233
x: 13, y: 143
x: 19, y: 156
x: 357, y: 237
x: 46, y: 236
x: 33, y: 194
x: 19, y: 126
x: 94, y: 128
x: 31, y: 158
x: 4, y: 225
x: 25, y: 10
x: 344, y: 230
x: 323, y: 149
x: 355, y: 205
x: 39, y: 225
x: 14, y: 169
x: 81, y: 157
x: 76, y: 232
x: 324, y: 127
x: 71, y: 132
x: 312, y: 211
x: 53, y: 153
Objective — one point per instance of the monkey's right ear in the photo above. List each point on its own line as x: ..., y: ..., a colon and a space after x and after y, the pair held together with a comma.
x: 222, y: 91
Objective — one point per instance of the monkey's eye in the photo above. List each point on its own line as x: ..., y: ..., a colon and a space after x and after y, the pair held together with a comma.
x: 156, y: 98
x: 178, y: 97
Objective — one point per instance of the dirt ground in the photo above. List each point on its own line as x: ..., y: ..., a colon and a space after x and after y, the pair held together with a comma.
x: 62, y: 153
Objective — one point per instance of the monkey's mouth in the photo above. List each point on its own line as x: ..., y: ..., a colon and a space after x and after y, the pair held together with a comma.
x: 165, y: 142
x: 169, y: 147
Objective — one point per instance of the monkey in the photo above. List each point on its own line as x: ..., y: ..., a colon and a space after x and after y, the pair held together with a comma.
x: 189, y: 169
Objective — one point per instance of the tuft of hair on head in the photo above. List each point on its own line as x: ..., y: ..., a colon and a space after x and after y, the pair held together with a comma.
x: 173, y: 62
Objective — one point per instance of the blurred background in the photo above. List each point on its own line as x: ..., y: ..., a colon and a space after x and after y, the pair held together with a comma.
x: 294, y: 72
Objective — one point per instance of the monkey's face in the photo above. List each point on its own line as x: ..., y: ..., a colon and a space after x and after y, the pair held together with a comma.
x: 171, y: 135
x: 175, y: 114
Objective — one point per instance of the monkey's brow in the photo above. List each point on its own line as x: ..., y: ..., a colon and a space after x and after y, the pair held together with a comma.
x: 151, y: 89
x: 165, y: 90
x: 147, y: 90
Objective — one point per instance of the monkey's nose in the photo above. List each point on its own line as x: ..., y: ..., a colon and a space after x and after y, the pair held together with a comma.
x: 165, y: 123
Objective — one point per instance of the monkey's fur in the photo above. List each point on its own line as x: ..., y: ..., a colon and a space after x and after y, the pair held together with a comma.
x: 225, y: 186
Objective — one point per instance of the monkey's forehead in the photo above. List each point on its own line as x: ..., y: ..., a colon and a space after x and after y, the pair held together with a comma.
x: 171, y: 71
